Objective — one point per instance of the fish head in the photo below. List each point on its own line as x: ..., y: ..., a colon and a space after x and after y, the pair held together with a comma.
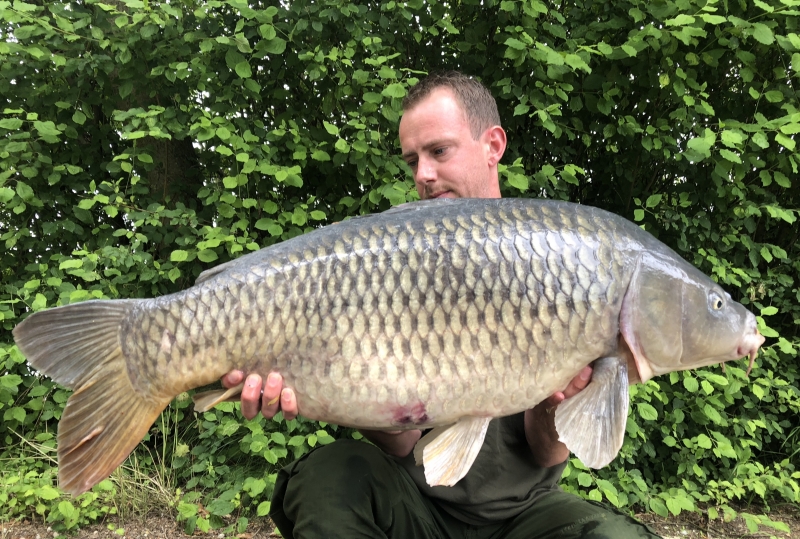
x: 675, y: 318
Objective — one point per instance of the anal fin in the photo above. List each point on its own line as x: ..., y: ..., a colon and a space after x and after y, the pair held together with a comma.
x: 448, y: 452
x: 592, y: 423
x: 206, y: 400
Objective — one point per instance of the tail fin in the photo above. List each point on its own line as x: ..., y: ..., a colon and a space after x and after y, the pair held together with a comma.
x: 78, y: 346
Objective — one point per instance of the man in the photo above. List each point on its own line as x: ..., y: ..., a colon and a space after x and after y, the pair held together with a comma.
x: 452, y: 141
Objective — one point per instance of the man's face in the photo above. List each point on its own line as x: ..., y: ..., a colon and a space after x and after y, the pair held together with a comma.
x: 438, y: 146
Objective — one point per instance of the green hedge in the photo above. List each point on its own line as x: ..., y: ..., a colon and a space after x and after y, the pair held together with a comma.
x: 142, y: 142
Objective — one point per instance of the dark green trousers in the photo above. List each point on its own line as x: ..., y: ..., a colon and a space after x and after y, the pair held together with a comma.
x: 352, y: 490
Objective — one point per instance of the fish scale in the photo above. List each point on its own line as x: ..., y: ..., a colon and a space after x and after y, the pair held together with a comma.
x: 432, y: 314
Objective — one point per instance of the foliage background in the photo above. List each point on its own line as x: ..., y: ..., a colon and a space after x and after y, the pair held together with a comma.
x: 142, y: 142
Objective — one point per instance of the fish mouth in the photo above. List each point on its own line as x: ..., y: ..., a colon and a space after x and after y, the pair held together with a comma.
x: 749, y: 347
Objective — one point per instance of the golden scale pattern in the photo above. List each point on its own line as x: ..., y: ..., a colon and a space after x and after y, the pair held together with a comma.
x: 459, y: 312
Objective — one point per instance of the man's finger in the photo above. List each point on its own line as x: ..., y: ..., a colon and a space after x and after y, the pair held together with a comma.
x: 251, y: 396
x: 553, y: 400
x: 579, y: 382
x: 270, y: 400
x: 232, y: 379
x: 288, y: 404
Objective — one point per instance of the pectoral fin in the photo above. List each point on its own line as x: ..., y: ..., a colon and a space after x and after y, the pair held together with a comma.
x: 592, y: 423
x: 448, y: 452
x: 206, y: 400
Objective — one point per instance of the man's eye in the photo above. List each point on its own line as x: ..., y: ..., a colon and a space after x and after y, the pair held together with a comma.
x: 438, y: 151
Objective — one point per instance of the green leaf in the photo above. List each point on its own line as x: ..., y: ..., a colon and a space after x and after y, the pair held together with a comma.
x: 712, y: 19
x: 24, y: 191
x: 576, y: 62
x: 760, y: 140
x: 785, y: 141
x: 47, y: 492
x: 70, y: 264
x: 680, y: 20
x: 774, y: 96
x: 732, y: 138
x: 186, y: 510
x: 243, y: 70
x: 46, y: 128
x: 521, y: 109
x: 320, y: 155
x: 605, y: 48
x: 796, y: 62
x: 220, y: 507
x: 331, y: 129
x: 701, y: 145
x: 14, y: 414
x: 79, y: 117
x: 264, y: 223
x: 782, y: 180
x: 653, y: 200
x: 11, y: 123
x: 704, y: 441
x: 730, y: 156
x: 10, y: 381
x: 394, y: 90
x: 584, y: 479
x: 342, y: 146
x: 6, y: 194
x: 658, y: 507
x: 24, y: 6
x: 263, y: 509
x: 178, y: 255
x: 646, y: 411
x: 275, y: 46
x: 763, y: 34
x: 712, y: 414
x: 790, y: 129
x: 515, y: 44
x: 66, y: 509
x: 207, y: 255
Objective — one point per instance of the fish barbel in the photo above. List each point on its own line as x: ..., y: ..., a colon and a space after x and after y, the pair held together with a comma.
x: 441, y: 313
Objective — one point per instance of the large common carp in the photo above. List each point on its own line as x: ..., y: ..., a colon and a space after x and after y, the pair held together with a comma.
x: 440, y: 313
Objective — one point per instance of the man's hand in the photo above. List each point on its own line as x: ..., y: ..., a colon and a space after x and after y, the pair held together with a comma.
x: 540, y: 428
x: 270, y: 398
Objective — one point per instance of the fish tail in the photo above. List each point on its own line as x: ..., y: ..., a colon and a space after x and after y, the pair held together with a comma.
x: 78, y: 346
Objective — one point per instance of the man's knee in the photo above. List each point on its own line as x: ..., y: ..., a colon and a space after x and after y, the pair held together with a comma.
x: 344, y: 468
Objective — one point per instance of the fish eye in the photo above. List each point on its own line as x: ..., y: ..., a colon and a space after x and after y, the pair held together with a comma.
x: 715, y: 301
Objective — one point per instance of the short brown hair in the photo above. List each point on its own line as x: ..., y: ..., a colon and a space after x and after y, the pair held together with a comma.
x: 475, y: 99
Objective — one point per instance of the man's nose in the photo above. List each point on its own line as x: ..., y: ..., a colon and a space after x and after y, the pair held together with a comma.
x: 426, y: 171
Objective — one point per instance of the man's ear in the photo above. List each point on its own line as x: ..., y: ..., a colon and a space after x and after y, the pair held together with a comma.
x: 495, y: 138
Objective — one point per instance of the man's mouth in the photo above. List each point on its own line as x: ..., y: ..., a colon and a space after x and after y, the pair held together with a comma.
x: 442, y: 194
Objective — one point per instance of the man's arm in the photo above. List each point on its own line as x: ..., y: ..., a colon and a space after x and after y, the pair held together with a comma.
x: 540, y: 427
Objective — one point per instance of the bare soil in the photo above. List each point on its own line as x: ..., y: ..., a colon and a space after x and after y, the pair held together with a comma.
x: 684, y: 526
